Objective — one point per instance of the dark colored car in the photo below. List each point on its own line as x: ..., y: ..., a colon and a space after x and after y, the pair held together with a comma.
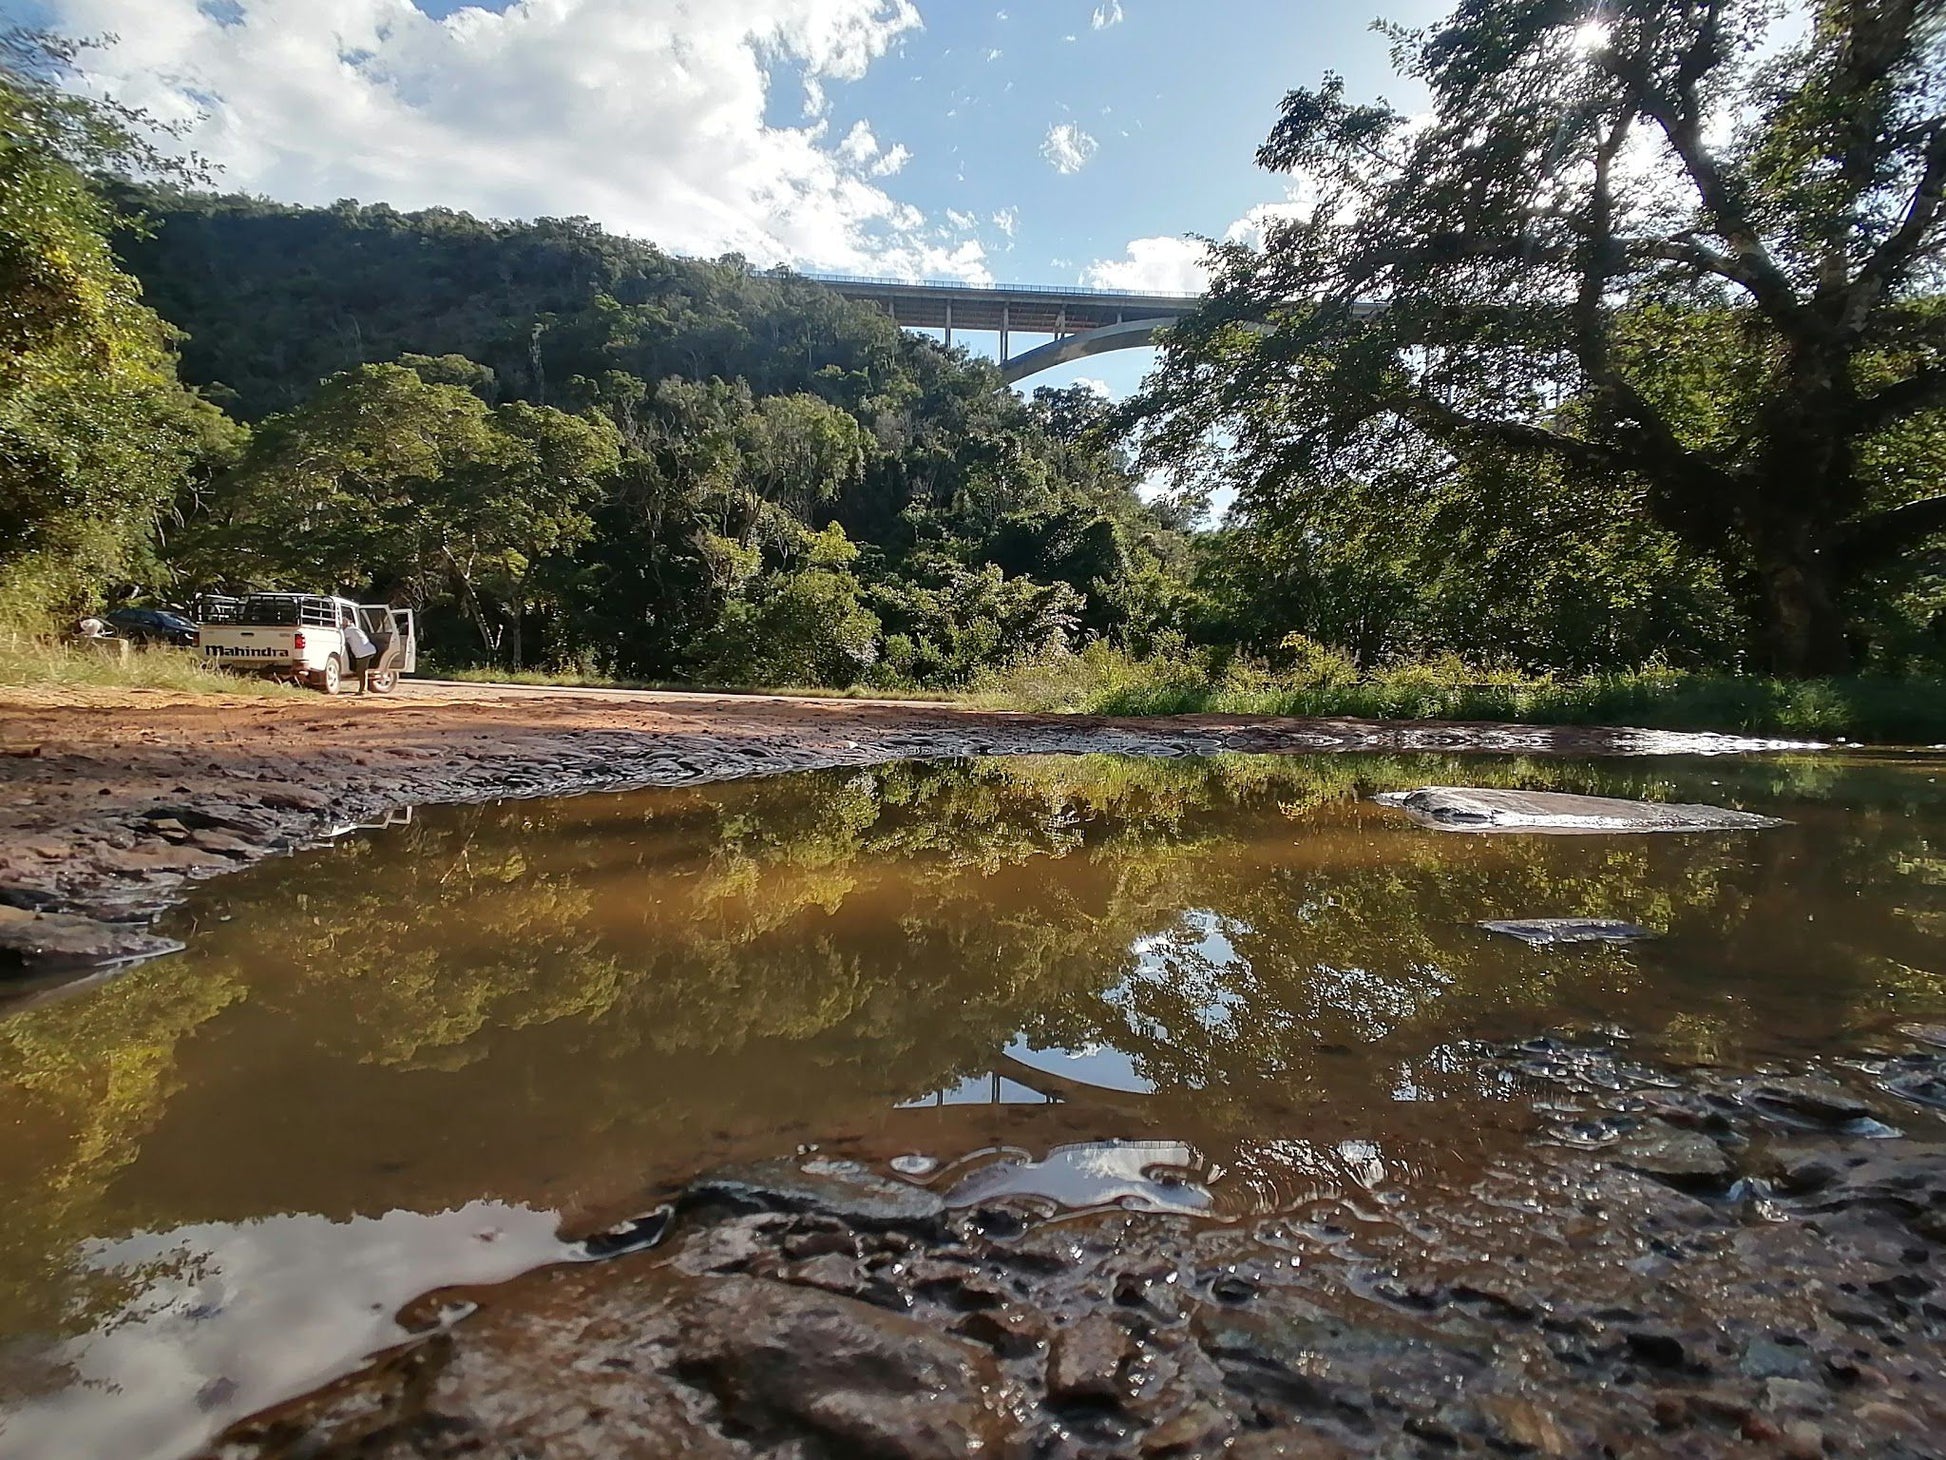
x: 153, y: 626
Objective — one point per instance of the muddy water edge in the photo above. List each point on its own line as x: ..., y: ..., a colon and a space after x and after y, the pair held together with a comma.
x: 1050, y: 1105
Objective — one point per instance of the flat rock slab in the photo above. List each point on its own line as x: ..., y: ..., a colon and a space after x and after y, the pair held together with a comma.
x: 1544, y: 932
x: 41, y: 940
x: 1466, y: 808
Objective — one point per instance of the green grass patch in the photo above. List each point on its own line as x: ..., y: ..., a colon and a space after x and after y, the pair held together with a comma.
x: 1103, y: 681
x: 36, y: 661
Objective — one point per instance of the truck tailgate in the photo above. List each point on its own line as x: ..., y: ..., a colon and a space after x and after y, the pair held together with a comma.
x: 259, y: 646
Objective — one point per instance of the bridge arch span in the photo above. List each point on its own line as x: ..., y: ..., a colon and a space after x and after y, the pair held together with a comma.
x: 1133, y: 334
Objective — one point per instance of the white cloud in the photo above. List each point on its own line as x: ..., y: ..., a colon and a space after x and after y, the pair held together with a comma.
x: 961, y: 220
x: 1169, y: 265
x: 1007, y: 220
x: 1153, y: 266
x: 1067, y: 148
x: 1099, y: 387
x: 860, y: 145
x: 649, y: 116
x: 1108, y: 13
x: 1298, y: 201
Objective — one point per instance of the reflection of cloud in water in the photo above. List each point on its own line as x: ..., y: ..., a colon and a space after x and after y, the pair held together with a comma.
x: 1278, y: 1175
x: 1143, y: 1175
x: 228, y: 1319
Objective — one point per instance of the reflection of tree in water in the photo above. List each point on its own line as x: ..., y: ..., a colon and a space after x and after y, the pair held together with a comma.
x: 606, y: 973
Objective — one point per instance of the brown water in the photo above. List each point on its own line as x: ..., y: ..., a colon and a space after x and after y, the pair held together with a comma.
x: 419, y: 1057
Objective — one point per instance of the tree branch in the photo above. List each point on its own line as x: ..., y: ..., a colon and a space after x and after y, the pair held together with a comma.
x: 1600, y: 257
x: 1697, y: 255
x: 1443, y: 420
x: 1681, y: 123
x: 1902, y: 245
x: 1870, y: 541
x: 1916, y: 392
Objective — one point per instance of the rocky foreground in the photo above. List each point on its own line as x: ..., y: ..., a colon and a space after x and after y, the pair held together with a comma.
x: 1693, y: 1264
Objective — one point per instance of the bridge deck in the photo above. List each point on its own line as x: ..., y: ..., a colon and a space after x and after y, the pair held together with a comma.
x: 1018, y: 309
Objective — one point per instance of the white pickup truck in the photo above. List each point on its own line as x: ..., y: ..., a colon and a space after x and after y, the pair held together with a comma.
x: 301, y: 637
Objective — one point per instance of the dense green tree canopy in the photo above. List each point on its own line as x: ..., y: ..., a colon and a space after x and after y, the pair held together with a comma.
x: 575, y: 449
x: 1671, y: 252
x: 96, y: 435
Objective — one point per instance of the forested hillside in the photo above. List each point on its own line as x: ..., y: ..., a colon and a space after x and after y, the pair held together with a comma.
x: 579, y: 450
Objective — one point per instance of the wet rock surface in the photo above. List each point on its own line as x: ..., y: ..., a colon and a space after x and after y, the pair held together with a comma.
x: 1681, y: 1263
x: 46, y: 940
x: 1478, y: 809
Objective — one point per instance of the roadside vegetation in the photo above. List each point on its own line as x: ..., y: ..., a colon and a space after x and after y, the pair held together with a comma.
x: 29, y: 660
x: 1101, y: 680
x: 1653, y: 420
x: 571, y: 678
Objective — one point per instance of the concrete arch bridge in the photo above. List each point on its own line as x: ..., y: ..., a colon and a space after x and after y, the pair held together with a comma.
x: 1082, y: 322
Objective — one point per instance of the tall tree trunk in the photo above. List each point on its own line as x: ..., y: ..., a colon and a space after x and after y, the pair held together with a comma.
x: 1803, y: 625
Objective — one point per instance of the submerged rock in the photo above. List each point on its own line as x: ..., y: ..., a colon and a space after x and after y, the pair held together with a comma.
x: 1684, y: 1157
x: 1813, y: 1100
x: 1466, y: 808
x: 1542, y: 932
x: 44, y: 940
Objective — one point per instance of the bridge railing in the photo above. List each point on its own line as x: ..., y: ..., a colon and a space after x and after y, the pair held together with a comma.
x: 1067, y: 289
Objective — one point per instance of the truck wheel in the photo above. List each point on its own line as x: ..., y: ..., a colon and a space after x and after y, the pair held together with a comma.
x: 382, y: 681
x: 327, y: 678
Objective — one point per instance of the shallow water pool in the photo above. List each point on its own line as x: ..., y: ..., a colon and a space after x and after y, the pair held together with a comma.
x: 416, y: 1058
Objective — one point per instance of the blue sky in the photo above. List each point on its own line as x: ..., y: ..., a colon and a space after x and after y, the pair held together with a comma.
x: 1036, y: 141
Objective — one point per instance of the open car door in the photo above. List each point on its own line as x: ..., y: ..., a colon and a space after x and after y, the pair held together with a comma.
x: 394, y: 634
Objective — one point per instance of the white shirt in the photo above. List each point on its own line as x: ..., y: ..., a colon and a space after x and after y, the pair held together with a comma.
x: 356, y: 639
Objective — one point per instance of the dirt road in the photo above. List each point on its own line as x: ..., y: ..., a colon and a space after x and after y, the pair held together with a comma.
x: 112, y: 800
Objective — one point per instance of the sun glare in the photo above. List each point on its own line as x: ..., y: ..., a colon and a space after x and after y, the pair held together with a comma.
x: 1590, y: 36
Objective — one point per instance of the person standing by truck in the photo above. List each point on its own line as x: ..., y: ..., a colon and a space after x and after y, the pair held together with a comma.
x: 358, y: 643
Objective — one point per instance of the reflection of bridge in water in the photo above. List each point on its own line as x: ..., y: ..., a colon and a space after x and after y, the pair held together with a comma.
x: 1083, y: 322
